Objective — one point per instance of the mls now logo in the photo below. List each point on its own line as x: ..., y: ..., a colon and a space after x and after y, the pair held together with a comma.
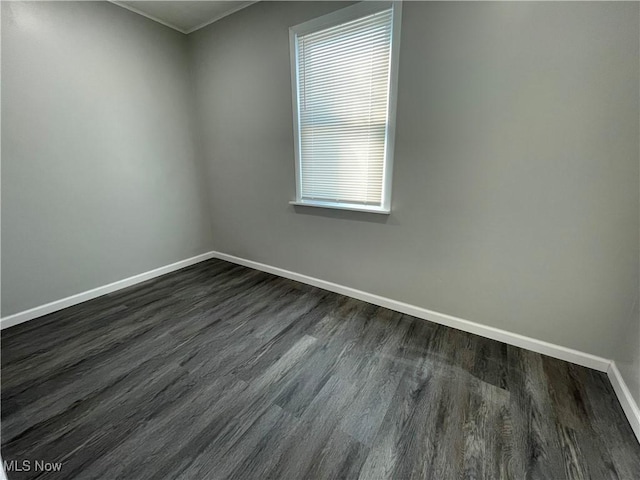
x: 28, y: 466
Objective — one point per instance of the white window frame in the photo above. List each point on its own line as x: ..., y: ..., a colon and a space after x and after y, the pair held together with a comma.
x: 333, y: 19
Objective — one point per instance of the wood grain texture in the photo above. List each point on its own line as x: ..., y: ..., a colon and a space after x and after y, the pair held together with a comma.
x: 222, y: 372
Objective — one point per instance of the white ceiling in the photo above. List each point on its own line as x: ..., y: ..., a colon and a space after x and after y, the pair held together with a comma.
x: 185, y: 16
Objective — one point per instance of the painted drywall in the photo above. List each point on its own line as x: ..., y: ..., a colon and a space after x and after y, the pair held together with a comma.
x: 627, y: 357
x: 632, y: 374
x: 99, y: 177
x: 515, y: 190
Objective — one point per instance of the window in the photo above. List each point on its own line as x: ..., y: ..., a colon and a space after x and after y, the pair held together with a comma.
x: 344, y: 69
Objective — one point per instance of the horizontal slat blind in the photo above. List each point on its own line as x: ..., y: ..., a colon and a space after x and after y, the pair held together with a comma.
x: 343, y: 100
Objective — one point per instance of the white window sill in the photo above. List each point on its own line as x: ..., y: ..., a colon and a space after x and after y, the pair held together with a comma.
x: 342, y: 206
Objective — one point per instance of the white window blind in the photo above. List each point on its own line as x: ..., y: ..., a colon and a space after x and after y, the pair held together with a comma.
x: 342, y: 81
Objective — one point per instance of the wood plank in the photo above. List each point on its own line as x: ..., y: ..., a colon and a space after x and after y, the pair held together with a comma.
x: 222, y: 372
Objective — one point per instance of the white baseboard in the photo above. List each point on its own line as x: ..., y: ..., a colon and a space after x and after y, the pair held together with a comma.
x: 556, y: 351
x: 563, y: 353
x: 629, y: 405
x: 36, y: 312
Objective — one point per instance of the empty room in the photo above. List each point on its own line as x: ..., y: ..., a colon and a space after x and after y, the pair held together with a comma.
x: 320, y: 240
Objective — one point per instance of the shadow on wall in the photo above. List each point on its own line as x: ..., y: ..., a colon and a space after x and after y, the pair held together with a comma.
x: 351, y: 215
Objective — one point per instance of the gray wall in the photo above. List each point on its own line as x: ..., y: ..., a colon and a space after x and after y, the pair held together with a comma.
x: 99, y: 178
x: 515, y: 192
x: 627, y: 356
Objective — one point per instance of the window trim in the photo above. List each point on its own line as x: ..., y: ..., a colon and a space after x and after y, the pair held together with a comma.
x: 335, y: 18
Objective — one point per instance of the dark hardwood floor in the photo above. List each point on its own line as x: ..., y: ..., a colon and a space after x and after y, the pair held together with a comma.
x: 219, y: 371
